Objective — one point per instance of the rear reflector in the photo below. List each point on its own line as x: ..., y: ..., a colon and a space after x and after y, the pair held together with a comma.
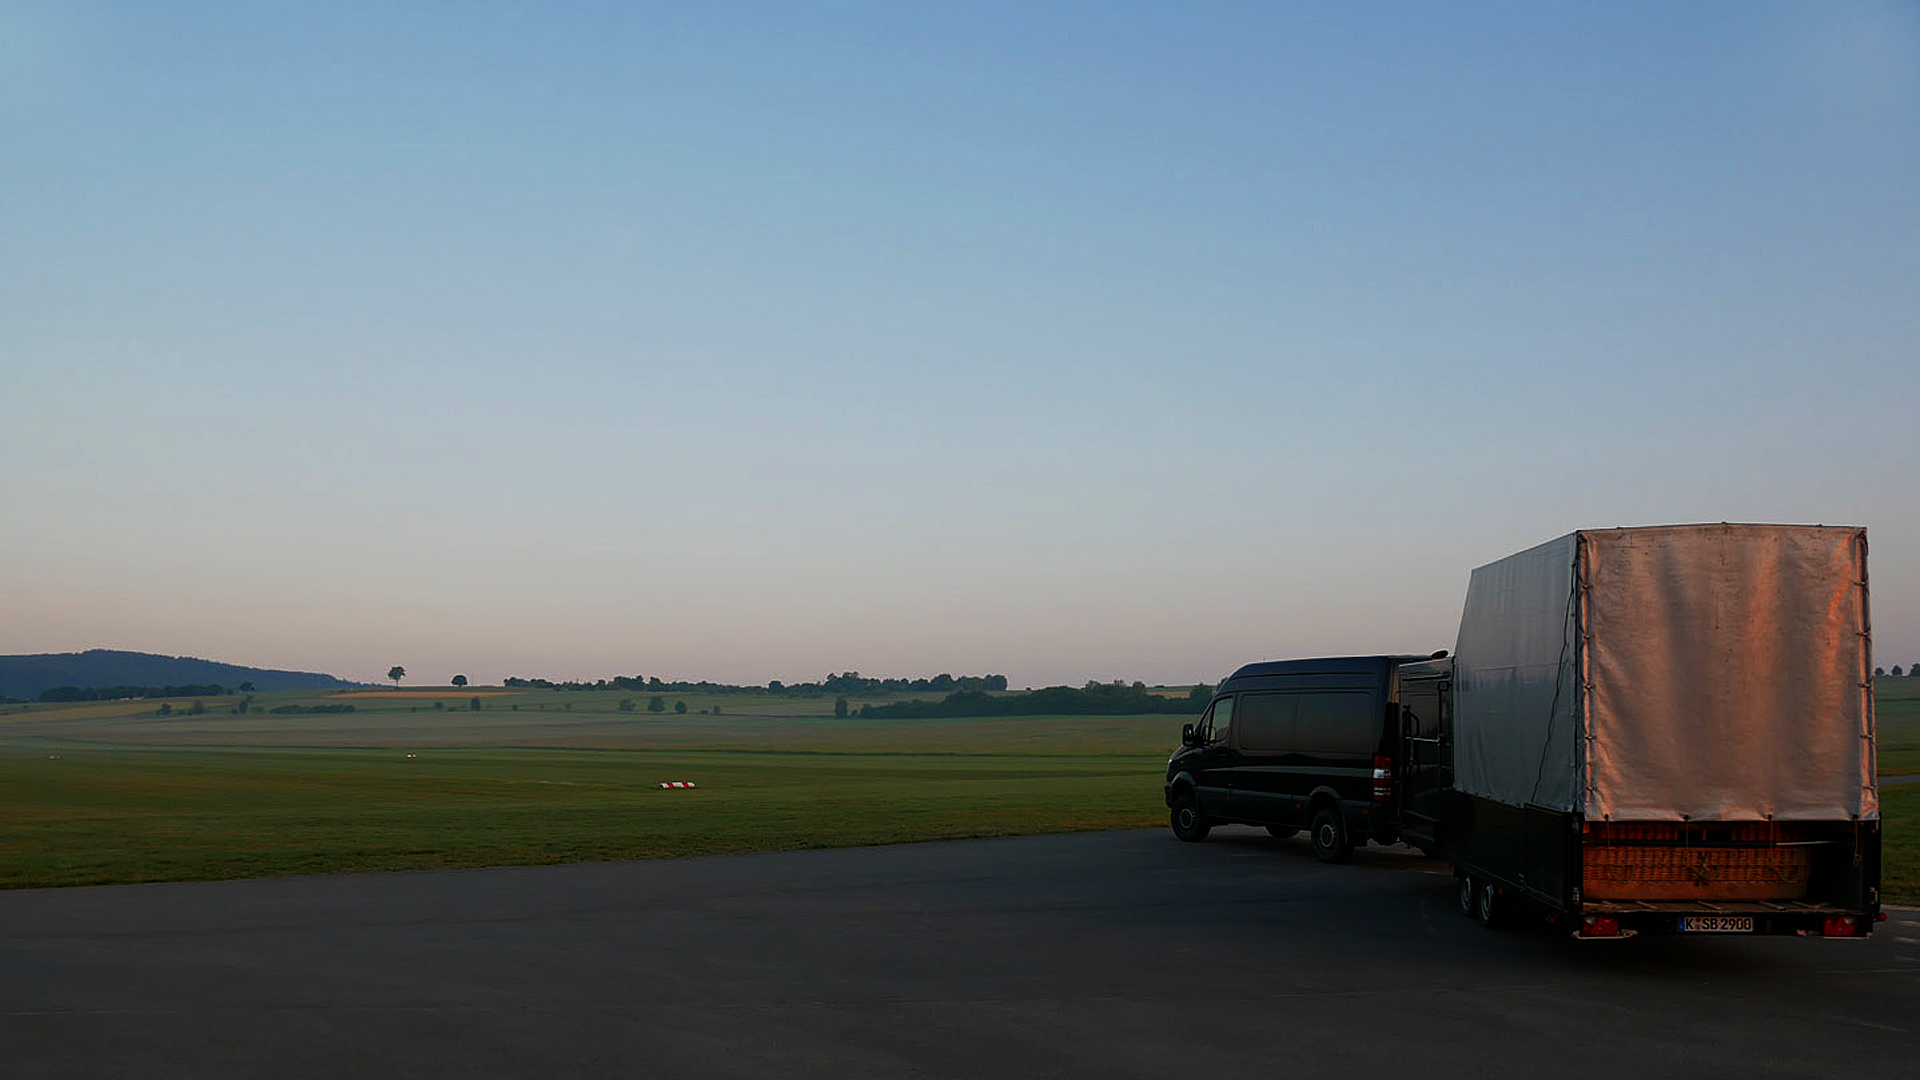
x: 1382, y: 778
x: 1840, y: 926
x: 1600, y: 926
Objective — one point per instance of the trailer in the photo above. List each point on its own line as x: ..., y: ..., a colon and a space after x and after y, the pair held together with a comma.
x: 1663, y: 730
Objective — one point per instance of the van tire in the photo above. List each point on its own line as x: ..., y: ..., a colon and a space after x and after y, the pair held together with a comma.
x: 1331, y: 844
x: 1281, y: 832
x: 1188, y: 823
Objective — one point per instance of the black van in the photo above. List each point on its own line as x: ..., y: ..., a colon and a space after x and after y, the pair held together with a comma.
x: 1293, y: 744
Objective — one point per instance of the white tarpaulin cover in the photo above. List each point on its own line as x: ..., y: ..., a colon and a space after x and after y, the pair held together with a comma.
x: 1704, y: 672
x: 1514, y: 688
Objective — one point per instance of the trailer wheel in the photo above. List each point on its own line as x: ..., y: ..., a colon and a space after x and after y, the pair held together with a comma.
x: 1492, y: 907
x: 1468, y: 895
x: 1281, y: 832
x: 1330, y: 840
x: 1188, y: 823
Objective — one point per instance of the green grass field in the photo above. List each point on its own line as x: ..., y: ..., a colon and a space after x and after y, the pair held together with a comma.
x: 1900, y: 843
x: 1897, y: 708
x: 103, y: 792
x: 112, y: 792
x: 95, y: 815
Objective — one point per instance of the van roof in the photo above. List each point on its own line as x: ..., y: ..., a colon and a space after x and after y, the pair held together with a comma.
x: 1324, y: 665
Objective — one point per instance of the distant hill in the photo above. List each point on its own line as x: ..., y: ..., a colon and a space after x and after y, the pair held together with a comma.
x: 24, y: 677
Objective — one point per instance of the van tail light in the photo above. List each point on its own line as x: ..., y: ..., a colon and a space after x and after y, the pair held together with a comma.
x: 1840, y: 926
x: 1600, y: 926
x: 1382, y: 778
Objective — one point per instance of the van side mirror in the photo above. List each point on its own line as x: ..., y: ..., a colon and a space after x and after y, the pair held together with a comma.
x: 1186, y: 735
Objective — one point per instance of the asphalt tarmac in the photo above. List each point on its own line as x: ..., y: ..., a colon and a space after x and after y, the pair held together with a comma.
x: 1118, y: 954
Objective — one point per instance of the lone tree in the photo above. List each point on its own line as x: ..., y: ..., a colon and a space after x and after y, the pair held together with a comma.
x: 396, y: 673
x: 680, y: 707
x: 1896, y: 671
x: 656, y: 704
x: 840, y: 707
x: 459, y: 680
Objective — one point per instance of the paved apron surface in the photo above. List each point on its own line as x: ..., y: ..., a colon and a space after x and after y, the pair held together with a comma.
x: 1120, y: 954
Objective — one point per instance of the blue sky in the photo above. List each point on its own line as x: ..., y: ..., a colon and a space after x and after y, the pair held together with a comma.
x: 1064, y: 341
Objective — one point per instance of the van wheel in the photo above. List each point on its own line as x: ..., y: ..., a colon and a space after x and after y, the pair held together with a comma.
x: 1492, y: 907
x: 1281, y: 832
x: 1330, y: 840
x: 1468, y: 895
x: 1188, y: 824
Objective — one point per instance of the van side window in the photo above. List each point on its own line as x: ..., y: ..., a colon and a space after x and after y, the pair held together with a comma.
x: 1220, y: 722
x: 1333, y: 721
x: 1266, y: 721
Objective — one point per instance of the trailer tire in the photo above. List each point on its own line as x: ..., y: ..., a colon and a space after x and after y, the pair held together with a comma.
x: 1281, y: 832
x: 1331, y: 844
x: 1188, y: 823
x: 1467, y: 894
x: 1491, y: 907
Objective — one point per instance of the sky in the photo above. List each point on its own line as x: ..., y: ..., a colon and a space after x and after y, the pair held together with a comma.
x: 1061, y: 341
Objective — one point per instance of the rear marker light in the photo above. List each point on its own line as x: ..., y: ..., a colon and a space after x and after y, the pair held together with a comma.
x: 1600, y: 926
x: 1382, y: 778
x: 1840, y: 926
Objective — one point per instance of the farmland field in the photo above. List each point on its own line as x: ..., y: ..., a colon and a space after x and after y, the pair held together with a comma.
x: 111, y: 791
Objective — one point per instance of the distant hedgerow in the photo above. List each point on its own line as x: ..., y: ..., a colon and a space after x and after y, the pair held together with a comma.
x: 1099, y: 699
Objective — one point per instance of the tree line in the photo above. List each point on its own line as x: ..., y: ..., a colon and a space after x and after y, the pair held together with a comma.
x: 115, y: 693
x: 1095, y: 699
x: 626, y: 682
x: 850, y: 682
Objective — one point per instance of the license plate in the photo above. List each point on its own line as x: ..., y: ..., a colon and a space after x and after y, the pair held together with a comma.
x: 1717, y: 924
